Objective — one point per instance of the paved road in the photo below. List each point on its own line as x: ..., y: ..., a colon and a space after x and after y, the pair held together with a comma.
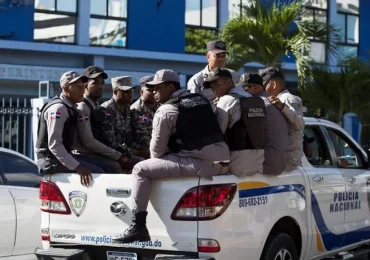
x: 33, y: 257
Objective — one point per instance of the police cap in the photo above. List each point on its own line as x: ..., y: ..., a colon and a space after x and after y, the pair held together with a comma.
x: 248, y: 79
x: 270, y: 73
x: 93, y: 72
x: 215, y: 74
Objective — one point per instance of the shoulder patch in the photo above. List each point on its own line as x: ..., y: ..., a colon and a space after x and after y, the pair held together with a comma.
x: 107, y: 114
x: 83, y: 118
x: 54, y: 115
x: 143, y: 117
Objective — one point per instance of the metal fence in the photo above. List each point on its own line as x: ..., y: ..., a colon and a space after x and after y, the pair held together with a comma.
x: 16, y: 125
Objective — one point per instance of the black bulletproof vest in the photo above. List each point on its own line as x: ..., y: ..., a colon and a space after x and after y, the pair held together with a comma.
x: 196, y: 124
x: 68, y: 130
x: 249, y: 131
x: 96, y: 118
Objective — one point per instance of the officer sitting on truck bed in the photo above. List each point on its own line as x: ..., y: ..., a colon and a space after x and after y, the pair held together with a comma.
x: 242, y: 119
x: 186, y: 141
x: 116, y: 126
x: 57, y: 127
x: 291, y: 107
x: 88, y: 144
x: 276, y: 130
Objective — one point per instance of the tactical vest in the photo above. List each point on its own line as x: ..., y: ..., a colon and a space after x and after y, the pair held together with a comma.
x: 68, y: 130
x: 96, y: 118
x: 196, y: 125
x: 249, y: 132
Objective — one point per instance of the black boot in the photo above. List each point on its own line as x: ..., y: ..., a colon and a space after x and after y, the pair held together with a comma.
x: 137, y: 231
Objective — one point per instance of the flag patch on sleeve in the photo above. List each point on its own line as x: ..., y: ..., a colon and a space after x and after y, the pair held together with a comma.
x: 144, y: 117
x: 54, y: 115
x: 83, y: 118
x: 107, y: 114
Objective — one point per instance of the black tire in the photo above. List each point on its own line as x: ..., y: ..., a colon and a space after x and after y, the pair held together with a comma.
x: 278, y: 243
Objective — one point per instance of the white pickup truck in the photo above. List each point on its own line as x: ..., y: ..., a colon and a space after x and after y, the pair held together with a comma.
x: 318, y: 211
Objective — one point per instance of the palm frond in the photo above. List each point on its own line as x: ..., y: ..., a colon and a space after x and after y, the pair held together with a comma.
x: 265, y: 34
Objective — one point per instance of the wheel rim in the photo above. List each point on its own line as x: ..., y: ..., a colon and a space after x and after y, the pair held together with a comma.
x: 283, y: 254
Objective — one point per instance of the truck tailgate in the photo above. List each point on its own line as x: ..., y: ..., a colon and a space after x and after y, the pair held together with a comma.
x: 104, y: 210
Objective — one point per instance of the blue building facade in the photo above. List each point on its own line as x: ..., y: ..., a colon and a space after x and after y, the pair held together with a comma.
x: 40, y: 39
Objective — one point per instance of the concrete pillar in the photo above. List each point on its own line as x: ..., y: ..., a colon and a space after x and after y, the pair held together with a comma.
x: 332, y: 13
x: 83, y: 23
x: 223, y: 12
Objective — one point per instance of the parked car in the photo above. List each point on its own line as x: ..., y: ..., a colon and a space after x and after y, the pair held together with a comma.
x: 19, y: 204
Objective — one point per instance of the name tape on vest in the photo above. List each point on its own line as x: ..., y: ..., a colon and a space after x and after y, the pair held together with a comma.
x: 256, y: 112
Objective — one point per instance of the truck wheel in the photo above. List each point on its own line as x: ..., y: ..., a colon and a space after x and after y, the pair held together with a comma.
x: 280, y: 247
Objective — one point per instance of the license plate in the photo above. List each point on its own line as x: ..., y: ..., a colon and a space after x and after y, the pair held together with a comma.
x: 113, y: 255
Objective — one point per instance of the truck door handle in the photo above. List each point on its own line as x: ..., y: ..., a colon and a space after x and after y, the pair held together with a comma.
x: 351, y: 179
x: 318, y: 178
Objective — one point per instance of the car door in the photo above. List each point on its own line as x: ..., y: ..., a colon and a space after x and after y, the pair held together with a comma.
x: 355, y: 202
x: 22, y: 179
x: 7, y: 220
x: 325, y: 181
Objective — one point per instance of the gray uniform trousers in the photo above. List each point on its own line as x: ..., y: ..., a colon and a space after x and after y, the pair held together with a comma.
x: 53, y: 167
x: 168, y: 166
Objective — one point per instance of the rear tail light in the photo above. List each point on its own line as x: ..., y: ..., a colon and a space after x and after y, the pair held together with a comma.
x: 52, y: 199
x: 208, y: 246
x: 204, y: 202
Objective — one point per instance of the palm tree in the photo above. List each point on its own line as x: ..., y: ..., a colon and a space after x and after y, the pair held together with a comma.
x: 265, y: 34
x: 342, y: 91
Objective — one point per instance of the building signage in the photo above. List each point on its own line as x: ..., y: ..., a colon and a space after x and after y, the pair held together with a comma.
x: 53, y: 74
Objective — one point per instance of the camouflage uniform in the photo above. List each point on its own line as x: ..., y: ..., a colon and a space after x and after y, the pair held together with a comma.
x: 116, y: 127
x: 142, y: 124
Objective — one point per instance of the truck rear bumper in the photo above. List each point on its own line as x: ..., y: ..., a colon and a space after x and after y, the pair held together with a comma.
x: 90, y: 253
x: 60, y: 253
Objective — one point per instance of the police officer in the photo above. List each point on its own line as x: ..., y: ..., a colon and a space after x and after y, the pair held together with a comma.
x: 242, y: 120
x: 116, y: 126
x: 88, y: 144
x: 276, y: 130
x: 142, y: 113
x: 291, y: 107
x: 216, y: 56
x: 186, y: 141
x: 57, y: 127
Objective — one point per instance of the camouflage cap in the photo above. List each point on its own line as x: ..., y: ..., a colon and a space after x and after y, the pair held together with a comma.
x: 164, y: 76
x: 122, y: 82
x: 70, y: 77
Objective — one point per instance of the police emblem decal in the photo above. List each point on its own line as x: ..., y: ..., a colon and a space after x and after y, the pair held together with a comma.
x: 77, y: 201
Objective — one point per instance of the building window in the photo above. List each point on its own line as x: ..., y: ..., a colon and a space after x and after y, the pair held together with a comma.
x: 201, y: 19
x: 108, y: 23
x: 317, y: 10
x: 55, y: 21
x: 236, y: 7
x: 347, y: 20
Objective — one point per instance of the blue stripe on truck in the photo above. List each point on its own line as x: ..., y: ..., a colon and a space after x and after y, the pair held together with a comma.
x: 331, y: 241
